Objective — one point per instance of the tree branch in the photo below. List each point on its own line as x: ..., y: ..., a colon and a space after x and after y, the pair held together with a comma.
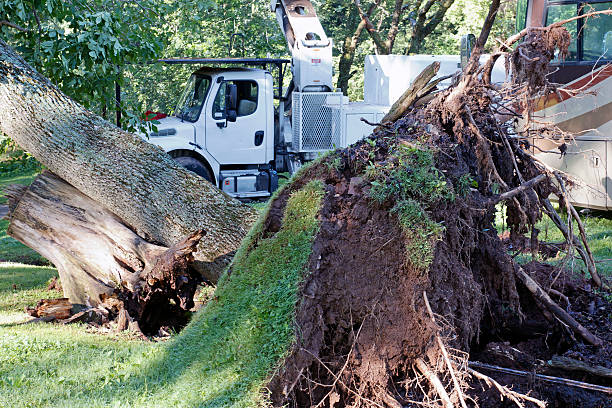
x: 482, y: 38
x: 381, y: 47
x: 395, y: 20
x: 13, y: 25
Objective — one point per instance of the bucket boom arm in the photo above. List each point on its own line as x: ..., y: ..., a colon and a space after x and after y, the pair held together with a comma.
x: 311, y: 49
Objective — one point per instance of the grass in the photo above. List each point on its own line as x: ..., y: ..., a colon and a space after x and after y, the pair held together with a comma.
x: 223, y: 358
x: 599, y: 235
x: 598, y: 228
x: 413, y: 184
x: 10, y: 249
x: 22, y: 177
x: 23, y: 285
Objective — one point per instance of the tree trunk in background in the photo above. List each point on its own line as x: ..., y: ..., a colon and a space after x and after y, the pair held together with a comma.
x: 347, y: 58
x: 159, y: 200
x: 424, y: 25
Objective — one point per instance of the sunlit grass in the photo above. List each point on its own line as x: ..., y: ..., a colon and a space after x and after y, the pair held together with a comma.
x: 12, y: 250
x: 24, y: 178
x: 598, y: 228
x: 223, y: 358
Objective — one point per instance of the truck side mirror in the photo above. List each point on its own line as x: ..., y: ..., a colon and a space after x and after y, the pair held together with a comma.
x: 231, y: 102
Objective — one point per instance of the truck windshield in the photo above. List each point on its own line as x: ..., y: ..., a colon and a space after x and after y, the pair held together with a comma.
x: 191, y: 101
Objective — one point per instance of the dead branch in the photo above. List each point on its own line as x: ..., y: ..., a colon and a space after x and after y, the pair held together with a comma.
x: 435, y: 382
x: 552, y: 213
x: 505, y: 391
x: 554, y: 308
x: 570, y: 364
x: 377, y: 124
x: 445, y: 353
x: 474, y: 61
x: 542, y: 377
x: 559, y: 295
x: 591, y: 264
x: 515, y: 191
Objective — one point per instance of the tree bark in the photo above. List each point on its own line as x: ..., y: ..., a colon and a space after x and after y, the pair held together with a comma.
x: 348, y: 52
x: 424, y: 27
x: 135, y: 180
x: 101, y: 261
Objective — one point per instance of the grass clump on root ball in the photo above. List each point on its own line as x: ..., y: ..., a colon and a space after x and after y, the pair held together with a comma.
x: 413, y: 184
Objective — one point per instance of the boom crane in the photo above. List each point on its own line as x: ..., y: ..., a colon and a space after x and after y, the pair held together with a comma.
x: 310, y: 48
x: 228, y: 129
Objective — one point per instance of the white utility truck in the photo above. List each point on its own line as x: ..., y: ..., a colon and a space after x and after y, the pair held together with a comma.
x: 228, y: 129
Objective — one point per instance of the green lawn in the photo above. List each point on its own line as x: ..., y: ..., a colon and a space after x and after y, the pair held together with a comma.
x: 24, y: 179
x: 599, y: 234
x: 598, y: 227
x: 10, y: 249
x: 221, y: 359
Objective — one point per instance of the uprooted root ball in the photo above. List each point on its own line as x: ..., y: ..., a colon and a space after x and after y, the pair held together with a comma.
x: 400, y: 216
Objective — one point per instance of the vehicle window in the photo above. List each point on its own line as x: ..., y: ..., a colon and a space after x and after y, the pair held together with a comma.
x: 597, y: 33
x: 247, y: 99
x: 190, y: 103
x: 560, y: 12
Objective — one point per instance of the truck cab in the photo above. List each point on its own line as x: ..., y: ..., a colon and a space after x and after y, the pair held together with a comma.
x: 223, y: 130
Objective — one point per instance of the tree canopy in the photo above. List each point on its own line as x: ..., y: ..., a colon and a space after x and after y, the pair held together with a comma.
x: 86, y: 47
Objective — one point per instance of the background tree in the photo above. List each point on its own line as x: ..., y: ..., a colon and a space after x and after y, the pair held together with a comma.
x: 84, y: 46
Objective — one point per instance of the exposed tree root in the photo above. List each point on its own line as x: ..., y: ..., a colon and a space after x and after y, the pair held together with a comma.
x: 506, y: 392
x: 411, y: 210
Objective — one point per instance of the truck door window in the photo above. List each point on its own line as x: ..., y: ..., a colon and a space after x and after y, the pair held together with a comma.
x: 191, y: 101
x: 597, y: 33
x: 559, y: 12
x: 247, y: 99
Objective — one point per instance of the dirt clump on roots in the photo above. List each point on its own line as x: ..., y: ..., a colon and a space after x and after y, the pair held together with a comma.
x: 407, y: 223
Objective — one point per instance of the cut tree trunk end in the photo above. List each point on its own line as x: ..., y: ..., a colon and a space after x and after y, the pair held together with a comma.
x: 101, y: 261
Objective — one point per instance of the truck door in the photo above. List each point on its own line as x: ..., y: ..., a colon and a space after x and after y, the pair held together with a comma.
x: 242, y: 141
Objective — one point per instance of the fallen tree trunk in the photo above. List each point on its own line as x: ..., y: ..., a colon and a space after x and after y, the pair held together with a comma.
x: 101, y: 261
x: 135, y: 180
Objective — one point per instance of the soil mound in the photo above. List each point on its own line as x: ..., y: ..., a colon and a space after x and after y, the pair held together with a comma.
x: 407, y: 222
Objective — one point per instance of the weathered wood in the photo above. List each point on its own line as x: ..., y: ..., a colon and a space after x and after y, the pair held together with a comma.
x: 52, y: 309
x: 101, y: 261
x: 412, y: 93
x: 133, y: 179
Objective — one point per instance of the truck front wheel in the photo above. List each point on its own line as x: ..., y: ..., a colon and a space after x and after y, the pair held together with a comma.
x: 194, y: 165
